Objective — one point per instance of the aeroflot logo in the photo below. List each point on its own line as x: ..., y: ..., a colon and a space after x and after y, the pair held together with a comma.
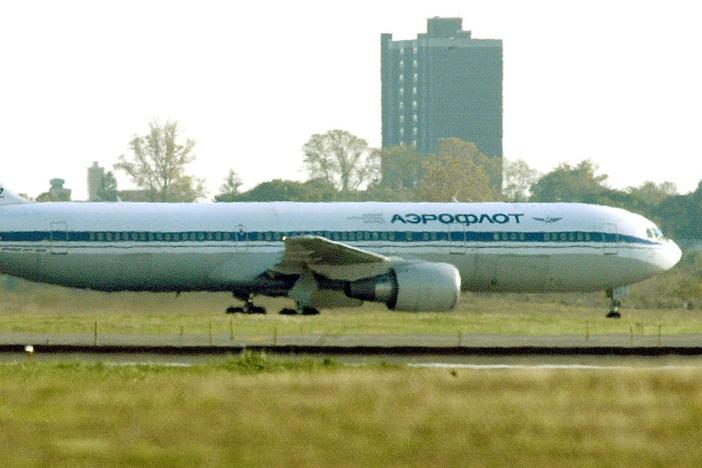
x: 467, y: 219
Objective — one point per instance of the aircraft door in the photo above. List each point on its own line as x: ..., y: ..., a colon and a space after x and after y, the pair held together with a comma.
x: 457, y: 239
x: 58, y: 238
x: 610, y: 239
x: 241, y: 237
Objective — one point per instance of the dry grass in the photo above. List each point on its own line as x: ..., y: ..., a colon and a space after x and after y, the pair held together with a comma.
x: 229, y: 415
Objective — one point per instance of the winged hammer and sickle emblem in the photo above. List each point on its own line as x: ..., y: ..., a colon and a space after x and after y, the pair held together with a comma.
x: 547, y: 219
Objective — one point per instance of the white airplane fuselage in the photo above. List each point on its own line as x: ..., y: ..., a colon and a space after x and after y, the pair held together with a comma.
x: 230, y: 246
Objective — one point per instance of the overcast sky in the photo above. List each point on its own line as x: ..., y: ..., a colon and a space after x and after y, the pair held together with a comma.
x: 619, y: 82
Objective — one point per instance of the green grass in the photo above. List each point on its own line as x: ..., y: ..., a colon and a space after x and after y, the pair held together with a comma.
x: 259, y: 411
x: 139, y: 314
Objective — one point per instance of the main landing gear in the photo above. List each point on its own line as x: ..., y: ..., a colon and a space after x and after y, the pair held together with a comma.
x: 248, y: 308
x: 300, y: 310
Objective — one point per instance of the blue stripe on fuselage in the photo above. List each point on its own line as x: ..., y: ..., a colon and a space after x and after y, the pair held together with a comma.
x: 338, y: 236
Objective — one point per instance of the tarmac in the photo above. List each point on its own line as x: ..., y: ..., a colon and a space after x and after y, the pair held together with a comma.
x: 359, y: 345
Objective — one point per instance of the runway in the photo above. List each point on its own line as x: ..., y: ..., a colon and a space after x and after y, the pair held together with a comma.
x: 406, y: 347
x: 378, y: 351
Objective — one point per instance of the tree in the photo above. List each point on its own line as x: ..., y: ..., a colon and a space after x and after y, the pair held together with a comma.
x: 454, y: 177
x: 57, y: 192
x: 107, y: 192
x: 341, y: 159
x: 314, y: 190
x: 229, y: 190
x: 517, y: 180
x: 568, y: 183
x: 158, y: 163
x: 400, y: 167
x: 680, y: 215
x: 455, y: 147
x: 652, y: 194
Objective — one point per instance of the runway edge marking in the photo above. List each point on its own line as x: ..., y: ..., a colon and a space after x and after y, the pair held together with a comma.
x: 364, y: 350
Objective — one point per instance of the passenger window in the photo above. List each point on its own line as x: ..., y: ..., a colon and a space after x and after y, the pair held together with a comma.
x: 408, y: 235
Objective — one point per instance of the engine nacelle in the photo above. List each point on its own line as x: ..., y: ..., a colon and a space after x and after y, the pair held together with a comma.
x: 411, y: 287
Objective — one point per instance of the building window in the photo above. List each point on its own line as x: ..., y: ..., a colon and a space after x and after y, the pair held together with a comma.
x: 402, y: 63
x: 414, y: 77
x: 414, y: 50
x: 414, y: 117
x: 402, y: 91
x: 414, y: 131
x: 402, y: 119
x: 402, y: 105
x: 414, y: 63
x: 414, y: 104
x: 402, y: 77
x: 414, y: 90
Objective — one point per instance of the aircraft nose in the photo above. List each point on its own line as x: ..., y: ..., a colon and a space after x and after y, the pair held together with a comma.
x: 671, y: 255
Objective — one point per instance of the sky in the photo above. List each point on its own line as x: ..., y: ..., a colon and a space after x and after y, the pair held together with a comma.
x: 618, y: 82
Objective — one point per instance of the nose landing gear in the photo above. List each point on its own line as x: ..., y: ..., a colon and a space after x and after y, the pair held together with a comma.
x: 615, y: 295
x: 614, y: 309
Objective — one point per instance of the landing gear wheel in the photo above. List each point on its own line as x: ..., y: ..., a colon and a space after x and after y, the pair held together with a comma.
x: 614, y: 309
x: 288, y: 311
x: 310, y: 311
x: 614, y: 314
x: 248, y: 308
x: 256, y: 310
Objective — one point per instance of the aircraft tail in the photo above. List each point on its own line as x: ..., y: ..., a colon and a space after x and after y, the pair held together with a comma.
x: 8, y: 197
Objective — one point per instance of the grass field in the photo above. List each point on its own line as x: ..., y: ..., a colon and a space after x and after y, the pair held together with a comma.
x: 258, y: 411
x: 194, y: 314
x: 666, y: 300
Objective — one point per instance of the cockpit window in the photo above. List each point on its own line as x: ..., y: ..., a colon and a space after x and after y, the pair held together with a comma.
x: 654, y: 233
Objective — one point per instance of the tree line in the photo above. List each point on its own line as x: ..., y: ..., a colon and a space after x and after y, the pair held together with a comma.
x: 342, y: 167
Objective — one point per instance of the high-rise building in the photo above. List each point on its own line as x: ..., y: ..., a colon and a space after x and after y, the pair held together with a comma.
x: 443, y: 84
x: 95, y: 176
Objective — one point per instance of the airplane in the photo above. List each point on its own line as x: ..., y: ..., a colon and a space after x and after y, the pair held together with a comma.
x: 408, y: 256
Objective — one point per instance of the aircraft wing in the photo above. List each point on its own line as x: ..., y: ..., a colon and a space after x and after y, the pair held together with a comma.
x: 332, y: 259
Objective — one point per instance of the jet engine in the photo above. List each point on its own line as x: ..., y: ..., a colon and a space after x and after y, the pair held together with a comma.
x: 411, y: 287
